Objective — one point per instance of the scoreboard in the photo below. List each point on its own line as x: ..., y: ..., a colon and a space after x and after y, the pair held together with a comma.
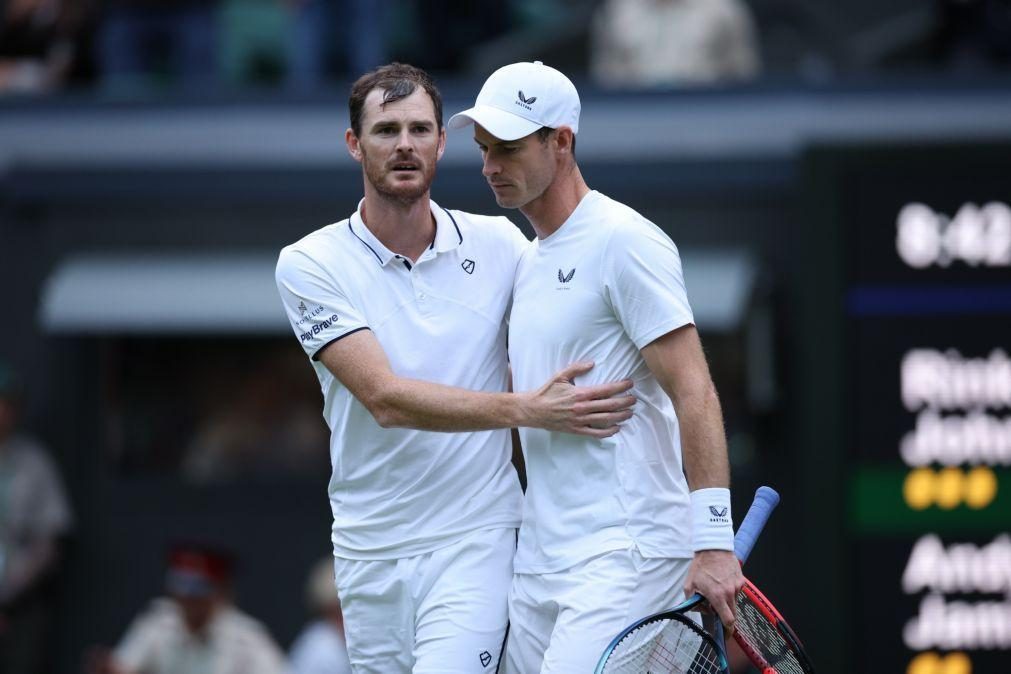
x: 924, y: 306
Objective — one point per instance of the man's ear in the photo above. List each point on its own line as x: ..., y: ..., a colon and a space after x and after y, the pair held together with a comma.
x: 442, y: 143
x: 354, y: 148
x: 564, y: 139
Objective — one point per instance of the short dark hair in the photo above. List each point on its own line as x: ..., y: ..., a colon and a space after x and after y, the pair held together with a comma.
x: 545, y: 131
x: 397, y: 81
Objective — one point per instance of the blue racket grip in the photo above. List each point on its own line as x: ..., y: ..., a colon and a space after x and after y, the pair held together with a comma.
x: 765, y: 501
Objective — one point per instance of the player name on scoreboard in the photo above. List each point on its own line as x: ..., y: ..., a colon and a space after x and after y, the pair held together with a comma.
x: 957, y: 402
x: 963, y: 569
x: 960, y: 434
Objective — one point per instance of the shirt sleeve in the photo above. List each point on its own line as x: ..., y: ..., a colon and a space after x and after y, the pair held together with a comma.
x: 319, y: 311
x: 644, y: 283
x: 136, y: 652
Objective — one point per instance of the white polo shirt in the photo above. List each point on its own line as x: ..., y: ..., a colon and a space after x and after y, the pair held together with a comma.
x: 602, y: 287
x: 401, y: 492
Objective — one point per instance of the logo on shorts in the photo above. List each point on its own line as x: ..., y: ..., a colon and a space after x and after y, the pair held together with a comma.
x: 525, y: 102
x: 485, y: 658
x: 565, y: 278
x: 468, y: 266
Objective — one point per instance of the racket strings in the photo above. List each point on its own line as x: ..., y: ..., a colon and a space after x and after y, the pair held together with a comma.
x: 762, y: 636
x: 664, y: 646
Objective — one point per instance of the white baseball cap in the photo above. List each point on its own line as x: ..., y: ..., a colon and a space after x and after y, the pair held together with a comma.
x: 520, y: 98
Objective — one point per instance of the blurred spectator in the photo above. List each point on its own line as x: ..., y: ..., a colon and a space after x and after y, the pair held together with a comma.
x: 143, y: 41
x: 39, y: 43
x: 320, y: 648
x: 648, y: 43
x: 34, y: 517
x: 263, y: 429
x: 358, y: 27
x: 217, y: 410
x: 253, y: 41
x: 196, y: 630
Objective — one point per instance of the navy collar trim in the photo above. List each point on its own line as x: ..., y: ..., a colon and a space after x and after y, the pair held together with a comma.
x: 453, y: 220
x: 365, y: 243
x: 431, y: 246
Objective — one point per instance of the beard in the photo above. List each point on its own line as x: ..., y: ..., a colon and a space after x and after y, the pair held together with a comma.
x: 385, y: 181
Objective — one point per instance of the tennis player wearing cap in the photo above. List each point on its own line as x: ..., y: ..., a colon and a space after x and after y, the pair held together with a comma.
x: 401, y: 309
x: 612, y: 529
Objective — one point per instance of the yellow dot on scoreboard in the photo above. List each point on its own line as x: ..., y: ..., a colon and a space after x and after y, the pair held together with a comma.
x: 980, y: 487
x: 950, y: 487
x: 918, y: 488
x: 956, y: 663
x: 925, y: 663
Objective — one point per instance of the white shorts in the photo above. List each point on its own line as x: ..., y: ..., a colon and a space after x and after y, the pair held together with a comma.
x: 443, y: 612
x: 562, y: 622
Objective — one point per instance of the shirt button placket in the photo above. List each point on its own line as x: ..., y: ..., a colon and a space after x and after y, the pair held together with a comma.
x: 419, y: 288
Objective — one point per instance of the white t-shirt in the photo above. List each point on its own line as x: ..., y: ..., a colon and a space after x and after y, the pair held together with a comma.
x: 602, y: 287
x: 401, y: 492
x: 158, y: 642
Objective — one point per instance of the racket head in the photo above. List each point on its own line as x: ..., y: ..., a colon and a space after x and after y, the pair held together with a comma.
x: 765, y: 636
x: 664, y: 643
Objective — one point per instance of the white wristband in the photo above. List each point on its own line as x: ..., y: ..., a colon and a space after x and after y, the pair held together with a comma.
x: 712, y: 525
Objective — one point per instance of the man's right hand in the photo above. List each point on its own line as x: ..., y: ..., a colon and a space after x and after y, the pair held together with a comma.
x: 560, y: 405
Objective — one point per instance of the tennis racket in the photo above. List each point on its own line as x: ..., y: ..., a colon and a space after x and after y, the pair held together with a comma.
x: 671, y: 642
x: 765, y: 637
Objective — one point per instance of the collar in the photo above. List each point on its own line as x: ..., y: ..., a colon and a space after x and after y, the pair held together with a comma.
x: 447, y: 234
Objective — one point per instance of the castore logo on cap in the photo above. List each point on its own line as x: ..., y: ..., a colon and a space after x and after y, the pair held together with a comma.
x: 525, y: 102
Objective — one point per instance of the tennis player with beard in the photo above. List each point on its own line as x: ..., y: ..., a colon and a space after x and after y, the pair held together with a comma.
x: 401, y: 309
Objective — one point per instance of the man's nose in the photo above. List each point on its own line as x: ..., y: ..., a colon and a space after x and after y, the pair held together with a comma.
x: 490, y: 167
x: 404, y: 141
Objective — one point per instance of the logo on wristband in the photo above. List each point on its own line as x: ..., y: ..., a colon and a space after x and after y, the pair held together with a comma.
x: 719, y: 514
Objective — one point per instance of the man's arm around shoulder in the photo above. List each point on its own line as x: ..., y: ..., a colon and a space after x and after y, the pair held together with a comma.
x: 359, y: 362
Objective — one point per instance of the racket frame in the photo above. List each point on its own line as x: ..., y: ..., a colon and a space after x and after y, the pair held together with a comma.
x: 778, y: 622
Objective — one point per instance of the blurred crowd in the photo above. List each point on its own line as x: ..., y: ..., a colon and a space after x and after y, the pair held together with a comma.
x: 192, y: 624
x: 195, y: 627
x: 198, y: 44
x: 126, y: 45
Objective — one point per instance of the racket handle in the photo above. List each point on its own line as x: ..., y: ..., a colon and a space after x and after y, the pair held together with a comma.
x: 765, y: 501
